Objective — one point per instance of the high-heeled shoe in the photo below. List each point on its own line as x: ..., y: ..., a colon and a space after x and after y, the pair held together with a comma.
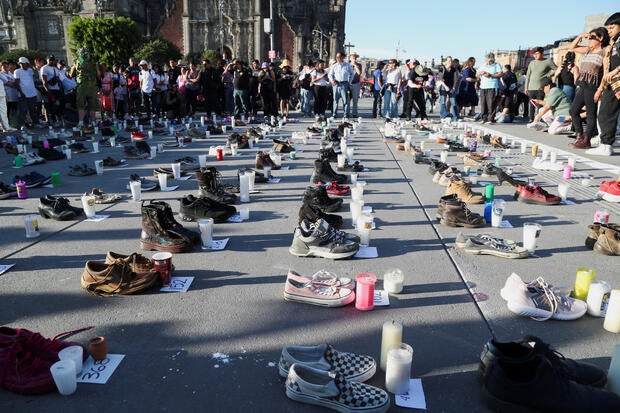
x: 504, y: 177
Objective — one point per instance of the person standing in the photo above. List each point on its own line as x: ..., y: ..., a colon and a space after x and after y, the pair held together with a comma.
x: 415, y: 90
x: 173, y: 72
x: 566, y: 74
x: 377, y: 87
x: 305, y: 89
x: 467, y: 96
x: 50, y: 76
x: 209, y: 80
x: 320, y: 87
x: 609, y: 108
x: 537, y: 70
x: 266, y: 88
x: 133, y: 87
x: 192, y: 89
x: 255, y: 71
x: 340, y: 76
x: 489, y: 75
x: 590, y: 76
x: 24, y: 82
x: 447, y: 80
x: 160, y: 90
x: 147, y: 84
x: 355, y: 83
x: 391, y: 95
x: 285, y: 87
x: 241, y: 90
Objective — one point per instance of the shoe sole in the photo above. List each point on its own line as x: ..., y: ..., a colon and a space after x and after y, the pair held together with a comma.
x: 365, y: 376
x: 497, y: 253
x: 538, y: 313
x: 504, y: 406
x: 442, y: 221
x: 318, y: 401
x: 150, y: 246
x: 312, y: 252
x: 318, y: 301
x: 46, y: 215
x: 533, y: 202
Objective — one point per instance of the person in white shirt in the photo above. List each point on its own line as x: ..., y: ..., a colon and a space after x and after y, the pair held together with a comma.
x: 160, y: 89
x: 147, y: 83
x: 393, y: 81
x: 305, y: 89
x: 340, y: 76
x: 7, y: 82
x: 24, y: 77
x: 50, y: 76
x: 320, y: 88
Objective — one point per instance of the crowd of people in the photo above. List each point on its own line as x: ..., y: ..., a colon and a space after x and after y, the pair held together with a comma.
x: 571, y: 97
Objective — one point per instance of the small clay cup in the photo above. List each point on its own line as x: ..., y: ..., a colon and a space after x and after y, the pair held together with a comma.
x: 98, y: 348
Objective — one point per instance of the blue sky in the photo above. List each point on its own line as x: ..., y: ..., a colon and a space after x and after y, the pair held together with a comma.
x: 462, y: 29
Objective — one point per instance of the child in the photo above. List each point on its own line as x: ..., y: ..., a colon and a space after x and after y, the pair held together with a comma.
x: 119, y: 99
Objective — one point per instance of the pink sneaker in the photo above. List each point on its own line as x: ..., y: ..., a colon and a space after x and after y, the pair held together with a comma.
x: 321, y: 290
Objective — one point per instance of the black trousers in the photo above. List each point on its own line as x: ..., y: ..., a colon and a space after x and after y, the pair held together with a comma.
x: 377, y: 100
x: 608, y: 116
x: 488, y: 104
x: 522, y: 99
x: 584, y: 95
x: 415, y: 96
x: 534, y: 94
x: 321, y: 96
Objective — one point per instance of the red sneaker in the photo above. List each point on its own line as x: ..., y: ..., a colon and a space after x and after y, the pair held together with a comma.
x: 334, y: 188
x: 44, y: 348
x: 138, y: 135
x: 536, y: 195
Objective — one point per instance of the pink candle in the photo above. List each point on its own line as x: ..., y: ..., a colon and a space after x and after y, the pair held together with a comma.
x: 365, y: 291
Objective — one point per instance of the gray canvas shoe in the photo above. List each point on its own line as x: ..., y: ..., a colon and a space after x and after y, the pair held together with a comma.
x: 490, y: 245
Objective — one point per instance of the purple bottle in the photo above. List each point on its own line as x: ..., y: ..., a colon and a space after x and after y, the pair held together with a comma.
x: 473, y: 145
x: 21, y: 189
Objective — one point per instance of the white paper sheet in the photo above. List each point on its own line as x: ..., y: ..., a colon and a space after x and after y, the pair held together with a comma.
x: 97, y: 218
x: 99, y: 372
x: 381, y: 298
x: 415, y: 398
x: 5, y: 268
x: 367, y: 252
x: 178, y: 285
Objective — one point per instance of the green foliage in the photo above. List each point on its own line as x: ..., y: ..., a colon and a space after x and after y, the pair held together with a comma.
x: 212, y: 55
x: 193, y: 57
x: 158, y: 50
x: 110, y: 40
x: 17, y: 53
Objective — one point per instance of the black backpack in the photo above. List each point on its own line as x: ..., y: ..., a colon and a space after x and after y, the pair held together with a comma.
x: 306, y: 82
x: 509, y: 83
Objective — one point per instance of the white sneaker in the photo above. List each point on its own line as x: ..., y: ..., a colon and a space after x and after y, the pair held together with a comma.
x: 536, y: 125
x: 601, y: 150
x: 539, y: 301
x: 595, y: 141
x: 543, y: 165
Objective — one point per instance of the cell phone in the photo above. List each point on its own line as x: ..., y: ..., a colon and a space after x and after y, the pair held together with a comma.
x: 536, y: 105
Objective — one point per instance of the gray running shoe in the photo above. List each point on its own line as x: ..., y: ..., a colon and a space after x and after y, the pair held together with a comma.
x: 319, y: 239
x: 490, y: 245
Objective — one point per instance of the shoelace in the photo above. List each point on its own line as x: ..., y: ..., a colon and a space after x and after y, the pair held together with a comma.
x: 554, y: 301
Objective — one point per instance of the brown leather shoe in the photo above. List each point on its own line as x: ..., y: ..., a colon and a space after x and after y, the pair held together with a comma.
x: 582, y: 142
x: 608, y: 241
x: 104, y: 279
x: 456, y: 214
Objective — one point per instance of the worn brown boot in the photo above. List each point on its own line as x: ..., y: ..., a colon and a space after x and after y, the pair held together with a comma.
x: 456, y: 214
x: 463, y: 190
x: 608, y: 241
x: 157, y: 233
x: 582, y: 142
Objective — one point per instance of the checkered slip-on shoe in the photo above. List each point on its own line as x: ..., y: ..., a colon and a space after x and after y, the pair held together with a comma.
x: 332, y: 390
x: 325, y: 357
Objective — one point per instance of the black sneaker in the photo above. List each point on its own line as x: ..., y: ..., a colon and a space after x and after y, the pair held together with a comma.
x: 193, y: 208
x: 530, y: 347
x: 536, y: 385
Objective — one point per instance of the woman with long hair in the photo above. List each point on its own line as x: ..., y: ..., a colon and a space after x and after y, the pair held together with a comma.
x: 590, y: 76
x: 468, y: 95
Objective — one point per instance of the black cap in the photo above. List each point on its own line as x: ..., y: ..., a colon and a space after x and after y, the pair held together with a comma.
x: 51, y: 57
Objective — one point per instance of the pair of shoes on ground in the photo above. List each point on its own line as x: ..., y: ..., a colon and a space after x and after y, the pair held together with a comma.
x: 324, y: 376
x: 32, y: 179
x: 540, y: 300
x: 319, y: 239
x: 145, y: 184
x: 58, y: 208
x: 193, y: 209
x: 120, y: 274
x: 81, y: 170
x: 462, y: 189
x: 162, y: 232
x: 6, y: 191
x: 102, y: 197
x: 26, y: 358
x: 534, y: 194
x: 323, y: 172
x: 322, y: 289
x: 489, y: 245
x: 334, y: 188
x: 453, y: 212
x: 529, y: 375
x: 604, y: 238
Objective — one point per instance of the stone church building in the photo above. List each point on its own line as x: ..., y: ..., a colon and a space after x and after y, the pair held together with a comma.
x: 299, y: 30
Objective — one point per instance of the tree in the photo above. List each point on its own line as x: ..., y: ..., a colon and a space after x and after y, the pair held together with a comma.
x: 17, y: 53
x: 211, y: 55
x: 110, y: 40
x: 158, y: 50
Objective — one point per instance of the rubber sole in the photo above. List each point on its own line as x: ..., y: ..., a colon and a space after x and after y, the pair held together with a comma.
x: 47, y: 215
x: 504, y: 406
x: 318, y: 301
x: 459, y: 224
x: 150, y: 246
x: 538, y: 313
x: 317, y: 401
x: 323, y: 254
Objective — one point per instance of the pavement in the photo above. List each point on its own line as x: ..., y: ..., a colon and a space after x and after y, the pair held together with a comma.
x: 216, y: 347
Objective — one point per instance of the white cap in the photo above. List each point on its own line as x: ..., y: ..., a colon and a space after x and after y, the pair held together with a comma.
x: 143, y: 62
x: 23, y: 60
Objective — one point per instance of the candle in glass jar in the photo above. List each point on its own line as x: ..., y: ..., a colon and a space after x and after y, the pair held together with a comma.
x: 392, y: 337
x: 612, y: 318
x: 393, y: 281
x: 398, y: 369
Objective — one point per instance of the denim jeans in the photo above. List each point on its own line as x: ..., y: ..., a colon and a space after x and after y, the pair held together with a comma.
x: 451, y: 97
x: 305, y: 95
x: 355, y: 95
x: 390, y: 104
x: 242, y: 103
x: 340, y: 93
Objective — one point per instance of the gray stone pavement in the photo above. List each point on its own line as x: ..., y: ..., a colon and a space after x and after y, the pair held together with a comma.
x: 215, y: 347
